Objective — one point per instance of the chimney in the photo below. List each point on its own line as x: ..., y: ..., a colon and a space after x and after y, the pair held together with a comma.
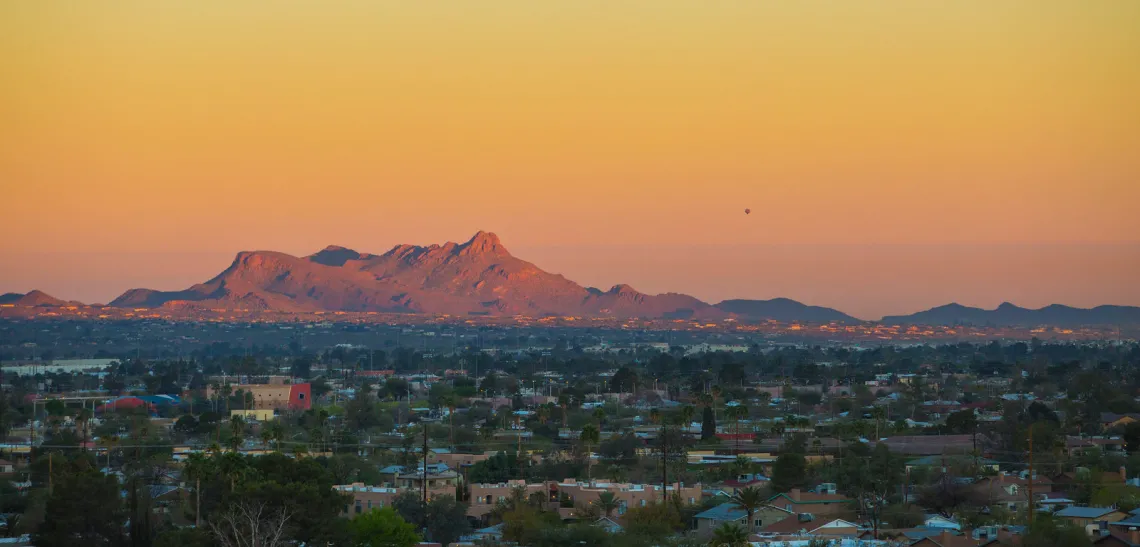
x: 1134, y: 536
x: 1124, y: 477
x: 944, y: 538
x: 794, y: 494
x: 1001, y: 477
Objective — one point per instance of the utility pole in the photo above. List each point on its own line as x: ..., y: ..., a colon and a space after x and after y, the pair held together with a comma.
x: 424, y: 486
x: 664, y: 463
x: 49, y: 472
x: 1031, y: 474
x: 197, y: 502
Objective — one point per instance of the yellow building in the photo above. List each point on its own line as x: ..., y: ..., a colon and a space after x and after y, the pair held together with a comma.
x: 257, y: 415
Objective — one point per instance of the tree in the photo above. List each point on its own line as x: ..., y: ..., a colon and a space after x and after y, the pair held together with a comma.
x: 382, y: 528
x: 590, y: 436
x: 83, y: 419
x: 445, y: 518
x: 607, y: 503
x: 1047, y: 531
x: 84, y: 508
x: 789, y: 471
x: 184, y: 537
x: 708, y: 424
x: 750, y: 499
x: 250, y: 525
x: 729, y: 535
x: 624, y: 380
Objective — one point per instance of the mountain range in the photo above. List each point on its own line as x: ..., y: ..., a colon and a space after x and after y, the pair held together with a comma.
x: 1008, y: 314
x: 476, y: 277
x: 34, y: 298
x: 480, y: 277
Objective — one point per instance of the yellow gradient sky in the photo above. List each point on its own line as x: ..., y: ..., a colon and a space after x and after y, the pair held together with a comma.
x: 211, y: 127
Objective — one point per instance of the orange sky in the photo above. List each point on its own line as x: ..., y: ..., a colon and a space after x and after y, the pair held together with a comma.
x: 134, y: 128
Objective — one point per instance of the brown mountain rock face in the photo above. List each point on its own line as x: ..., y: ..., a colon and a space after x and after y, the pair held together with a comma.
x: 479, y: 276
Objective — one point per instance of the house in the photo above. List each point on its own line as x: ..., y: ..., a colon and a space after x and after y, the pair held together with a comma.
x: 959, y: 461
x: 490, y: 534
x: 826, y: 502
x: 454, y: 460
x: 1109, y: 420
x: 7, y: 467
x: 934, y: 445
x: 1107, y: 445
x: 366, y: 498
x: 746, y: 480
x: 1119, y: 538
x: 709, y: 520
x: 609, y: 525
x: 1084, y: 516
x: 947, y: 538
x: 804, y: 526
x: 1132, y: 521
x: 1071, y: 480
x: 1010, y: 491
x: 940, y: 522
x: 1052, y: 501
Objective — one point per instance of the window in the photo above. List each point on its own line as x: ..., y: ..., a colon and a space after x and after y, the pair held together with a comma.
x: 758, y: 523
x: 359, y: 509
x: 692, y: 501
x: 643, y: 503
x: 301, y: 396
x: 788, y: 507
x: 622, y: 507
x: 369, y: 505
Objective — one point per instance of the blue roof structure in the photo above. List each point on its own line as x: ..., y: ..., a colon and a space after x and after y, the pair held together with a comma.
x: 1084, y: 512
x: 724, y: 511
x: 160, y: 399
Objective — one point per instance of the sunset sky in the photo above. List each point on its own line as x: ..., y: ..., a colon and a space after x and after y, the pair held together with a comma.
x: 895, y: 155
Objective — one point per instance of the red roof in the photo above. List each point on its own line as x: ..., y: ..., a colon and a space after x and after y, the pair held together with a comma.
x: 124, y: 403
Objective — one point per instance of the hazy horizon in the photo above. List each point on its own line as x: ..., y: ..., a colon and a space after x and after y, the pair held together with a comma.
x: 599, y: 140
x: 892, y: 279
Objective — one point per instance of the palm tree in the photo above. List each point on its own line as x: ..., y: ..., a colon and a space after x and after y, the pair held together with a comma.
x: 82, y: 419
x: 607, y: 503
x: 227, y: 390
x: 316, y: 438
x: 600, y: 415
x: 716, y: 391
x: 589, y: 437
x: 687, y: 413
x: 736, y: 413
x: 237, y: 431
x: 750, y: 499
x: 450, y: 402
x: 276, y: 433
x: 878, y: 414
x: 730, y: 535
x: 110, y: 443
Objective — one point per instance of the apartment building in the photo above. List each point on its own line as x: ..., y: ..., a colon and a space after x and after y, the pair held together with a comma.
x: 485, y: 496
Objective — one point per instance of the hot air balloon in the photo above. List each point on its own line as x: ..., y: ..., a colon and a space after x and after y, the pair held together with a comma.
x: 748, y: 211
